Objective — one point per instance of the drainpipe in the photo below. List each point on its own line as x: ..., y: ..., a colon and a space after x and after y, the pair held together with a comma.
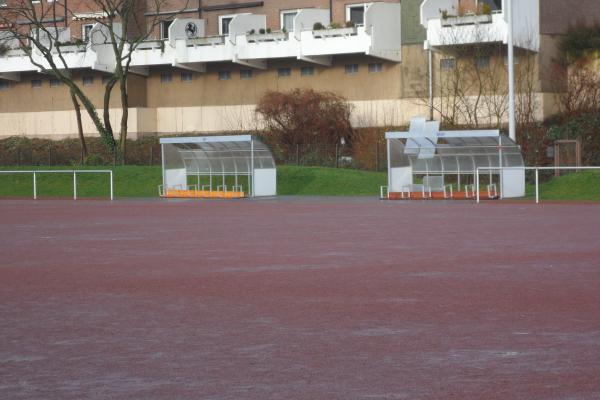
x: 330, y: 11
x: 199, y: 9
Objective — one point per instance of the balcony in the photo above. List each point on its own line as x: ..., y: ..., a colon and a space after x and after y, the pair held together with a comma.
x: 449, y: 25
x: 248, y: 43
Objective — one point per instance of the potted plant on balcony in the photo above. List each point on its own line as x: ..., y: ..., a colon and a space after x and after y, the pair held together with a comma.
x: 3, y: 49
x: 318, y: 26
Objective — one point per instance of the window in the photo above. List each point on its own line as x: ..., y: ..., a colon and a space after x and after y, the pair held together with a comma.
x: 85, y: 32
x: 307, y: 71
x: 375, y: 67
x: 224, y: 75
x: 88, y: 80
x: 36, y: 83
x: 482, y: 61
x: 351, y: 69
x: 54, y: 82
x: 164, y: 29
x: 4, y: 85
x: 356, y: 13
x: 283, y: 72
x: 187, y: 77
x: 246, y: 74
x: 166, y: 77
x: 447, y: 63
x: 495, y: 5
x: 224, y: 21
x: 287, y: 20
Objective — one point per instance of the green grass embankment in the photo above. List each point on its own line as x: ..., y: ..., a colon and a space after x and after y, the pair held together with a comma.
x: 139, y: 182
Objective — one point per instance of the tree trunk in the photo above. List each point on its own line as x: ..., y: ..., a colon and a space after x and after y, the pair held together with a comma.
x: 124, y: 118
x: 106, y: 117
x: 77, y: 107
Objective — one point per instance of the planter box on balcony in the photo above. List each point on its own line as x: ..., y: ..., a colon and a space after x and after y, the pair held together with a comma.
x: 325, y: 33
x: 467, y: 20
x: 151, y: 45
x: 206, y: 41
x: 266, y: 37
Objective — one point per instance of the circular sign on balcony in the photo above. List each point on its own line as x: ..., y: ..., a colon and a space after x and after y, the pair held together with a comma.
x: 191, y: 30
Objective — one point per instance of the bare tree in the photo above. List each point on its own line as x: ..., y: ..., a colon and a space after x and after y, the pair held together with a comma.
x: 121, y: 25
x: 471, y: 86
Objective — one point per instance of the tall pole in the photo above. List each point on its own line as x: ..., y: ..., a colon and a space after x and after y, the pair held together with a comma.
x: 512, y: 131
x: 430, y: 62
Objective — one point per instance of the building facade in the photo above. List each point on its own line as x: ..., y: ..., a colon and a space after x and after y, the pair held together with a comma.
x: 207, y: 62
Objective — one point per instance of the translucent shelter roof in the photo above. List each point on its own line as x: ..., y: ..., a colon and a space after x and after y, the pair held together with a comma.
x: 216, y: 155
x: 429, y: 151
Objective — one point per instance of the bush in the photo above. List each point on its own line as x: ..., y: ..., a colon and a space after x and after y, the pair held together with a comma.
x: 586, y: 128
x: 304, y: 117
x: 369, y: 148
x: 24, y: 151
x: 318, y: 26
x: 350, y: 24
x: 334, y: 25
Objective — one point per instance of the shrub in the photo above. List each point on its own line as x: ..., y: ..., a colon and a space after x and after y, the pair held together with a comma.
x: 350, y: 24
x: 318, y: 26
x: 335, y: 25
x: 586, y: 128
x: 304, y: 117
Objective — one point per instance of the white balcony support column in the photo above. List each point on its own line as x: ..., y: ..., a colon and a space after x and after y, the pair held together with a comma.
x: 319, y: 60
x: 11, y: 76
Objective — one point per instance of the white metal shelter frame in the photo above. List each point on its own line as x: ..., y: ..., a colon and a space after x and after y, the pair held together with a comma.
x: 35, y: 173
x: 427, y: 151
x: 216, y: 157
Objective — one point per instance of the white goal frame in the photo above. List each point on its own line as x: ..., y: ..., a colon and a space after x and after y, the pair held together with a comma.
x: 74, y: 172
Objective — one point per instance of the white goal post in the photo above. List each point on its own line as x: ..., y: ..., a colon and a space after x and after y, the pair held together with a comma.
x: 64, y: 171
x: 537, y: 176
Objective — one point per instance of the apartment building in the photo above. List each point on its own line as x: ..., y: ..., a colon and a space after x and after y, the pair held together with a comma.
x: 208, y: 62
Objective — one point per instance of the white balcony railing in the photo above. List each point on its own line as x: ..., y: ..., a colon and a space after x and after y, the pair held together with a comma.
x: 445, y: 28
x: 379, y: 37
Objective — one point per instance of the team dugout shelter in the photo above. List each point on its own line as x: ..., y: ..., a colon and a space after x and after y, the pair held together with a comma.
x: 217, y: 167
x: 426, y: 163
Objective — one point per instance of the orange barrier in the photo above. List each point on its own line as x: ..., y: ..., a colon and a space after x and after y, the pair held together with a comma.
x: 203, y: 194
x: 438, y: 196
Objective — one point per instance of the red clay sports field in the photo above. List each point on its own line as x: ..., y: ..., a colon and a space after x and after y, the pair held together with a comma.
x: 299, y: 298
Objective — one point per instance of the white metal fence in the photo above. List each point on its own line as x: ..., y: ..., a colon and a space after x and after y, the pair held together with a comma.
x: 537, y: 176
x: 35, y: 173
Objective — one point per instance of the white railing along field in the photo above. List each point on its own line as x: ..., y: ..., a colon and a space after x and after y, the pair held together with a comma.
x: 35, y: 173
x: 537, y: 176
